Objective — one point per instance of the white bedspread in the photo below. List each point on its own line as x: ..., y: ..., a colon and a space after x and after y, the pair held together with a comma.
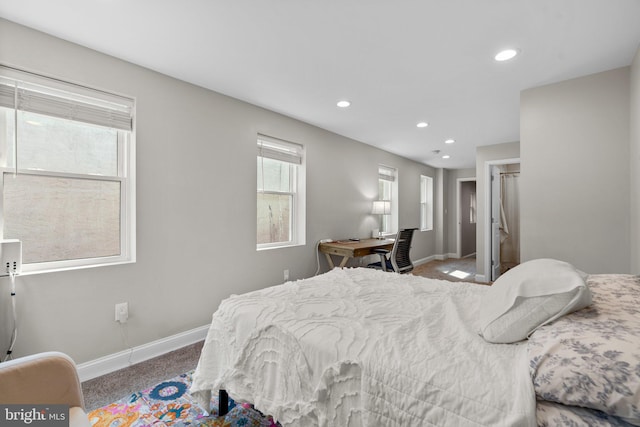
x: 360, y: 347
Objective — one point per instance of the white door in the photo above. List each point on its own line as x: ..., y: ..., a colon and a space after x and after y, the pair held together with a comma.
x: 495, y: 222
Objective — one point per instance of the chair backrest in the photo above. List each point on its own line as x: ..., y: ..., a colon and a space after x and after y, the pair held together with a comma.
x: 44, y: 378
x: 400, y: 259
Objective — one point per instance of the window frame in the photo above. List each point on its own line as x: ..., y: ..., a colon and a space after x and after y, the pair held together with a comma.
x: 293, y: 154
x: 125, y: 167
x: 426, y: 203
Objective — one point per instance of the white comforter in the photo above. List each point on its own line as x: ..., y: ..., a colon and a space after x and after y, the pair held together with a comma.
x: 360, y: 347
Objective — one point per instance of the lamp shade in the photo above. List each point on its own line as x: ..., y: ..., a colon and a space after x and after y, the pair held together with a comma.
x: 381, y: 207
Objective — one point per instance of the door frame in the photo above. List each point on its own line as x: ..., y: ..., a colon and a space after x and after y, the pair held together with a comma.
x: 487, y: 211
x: 459, y: 213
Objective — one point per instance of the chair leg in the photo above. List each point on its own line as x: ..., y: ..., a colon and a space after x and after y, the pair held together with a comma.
x: 383, y: 262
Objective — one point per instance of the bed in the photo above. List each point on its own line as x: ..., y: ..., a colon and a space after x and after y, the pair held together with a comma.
x: 361, y: 347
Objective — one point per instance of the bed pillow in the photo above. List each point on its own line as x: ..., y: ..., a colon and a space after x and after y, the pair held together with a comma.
x: 528, y: 296
x: 591, y: 358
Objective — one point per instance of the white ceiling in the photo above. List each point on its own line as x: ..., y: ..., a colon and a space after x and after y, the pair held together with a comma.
x: 398, y: 62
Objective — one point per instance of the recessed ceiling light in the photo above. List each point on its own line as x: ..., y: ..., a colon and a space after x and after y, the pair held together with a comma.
x: 446, y: 156
x: 450, y: 141
x: 343, y: 103
x: 422, y: 124
x: 506, y: 54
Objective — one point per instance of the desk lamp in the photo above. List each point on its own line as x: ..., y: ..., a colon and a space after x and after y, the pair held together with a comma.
x: 381, y: 207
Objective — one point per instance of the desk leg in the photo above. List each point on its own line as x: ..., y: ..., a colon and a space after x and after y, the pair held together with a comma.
x: 330, y: 261
x: 332, y: 265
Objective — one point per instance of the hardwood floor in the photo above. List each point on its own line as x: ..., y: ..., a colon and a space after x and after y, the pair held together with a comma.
x: 452, y: 269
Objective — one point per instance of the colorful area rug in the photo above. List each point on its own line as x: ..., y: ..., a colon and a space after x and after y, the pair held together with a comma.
x: 170, y: 404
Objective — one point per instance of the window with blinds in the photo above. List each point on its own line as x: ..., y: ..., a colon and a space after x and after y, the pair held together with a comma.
x: 67, y: 163
x: 387, y: 190
x: 426, y: 203
x: 280, y: 193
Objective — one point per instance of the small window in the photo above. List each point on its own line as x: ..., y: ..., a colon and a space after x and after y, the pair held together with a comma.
x: 388, y: 190
x: 426, y: 203
x: 66, y: 157
x: 280, y: 194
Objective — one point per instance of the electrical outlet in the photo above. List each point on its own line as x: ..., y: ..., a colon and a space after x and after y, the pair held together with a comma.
x: 10, y: 257
x: 286, y: 275
x: 122, y: 312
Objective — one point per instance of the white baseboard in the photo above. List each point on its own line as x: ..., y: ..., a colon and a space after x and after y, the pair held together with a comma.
x: 123, y: 359
x: 439, y: 257
x: 424, y: 260
x: 481, y: 278
x: 443, y: 257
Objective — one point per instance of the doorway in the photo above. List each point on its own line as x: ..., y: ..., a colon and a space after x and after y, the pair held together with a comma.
x: 503, y: 221
x: 510, y: 204
x: 467, y: 217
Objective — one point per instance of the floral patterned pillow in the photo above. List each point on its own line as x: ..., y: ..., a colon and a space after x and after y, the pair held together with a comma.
x: 591, y: 358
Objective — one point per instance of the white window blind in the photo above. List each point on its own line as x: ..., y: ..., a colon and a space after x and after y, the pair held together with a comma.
x: 278, y: 149
x: 386, y: 173
x: 45, y: 96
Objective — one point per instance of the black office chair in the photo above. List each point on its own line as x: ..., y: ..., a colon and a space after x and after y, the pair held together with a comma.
x: 398, y: 259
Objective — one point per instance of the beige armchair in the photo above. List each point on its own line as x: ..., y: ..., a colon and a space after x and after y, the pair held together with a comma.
x: 46, y: 378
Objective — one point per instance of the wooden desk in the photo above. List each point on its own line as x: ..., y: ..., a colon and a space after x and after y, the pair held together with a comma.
x: 350, y: 249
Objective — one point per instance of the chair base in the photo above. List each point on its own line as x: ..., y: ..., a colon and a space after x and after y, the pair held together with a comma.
x: 378, y: 266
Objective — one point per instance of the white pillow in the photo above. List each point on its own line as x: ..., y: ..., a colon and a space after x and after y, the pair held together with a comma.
x: 530, y: 295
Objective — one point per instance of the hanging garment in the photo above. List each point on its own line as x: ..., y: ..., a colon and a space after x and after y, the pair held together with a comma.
x: 504, y: 227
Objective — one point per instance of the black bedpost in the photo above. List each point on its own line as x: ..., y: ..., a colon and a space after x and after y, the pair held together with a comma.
x: 223, y: 402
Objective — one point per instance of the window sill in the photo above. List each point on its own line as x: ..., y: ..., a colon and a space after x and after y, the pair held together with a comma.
x: 288, y: 245
x: 385, y: 235
x: 29, y: 271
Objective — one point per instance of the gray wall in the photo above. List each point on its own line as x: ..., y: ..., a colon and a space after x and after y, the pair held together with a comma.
x: 196, y: 182
x: 635, y: 163
x: 575, y: 182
